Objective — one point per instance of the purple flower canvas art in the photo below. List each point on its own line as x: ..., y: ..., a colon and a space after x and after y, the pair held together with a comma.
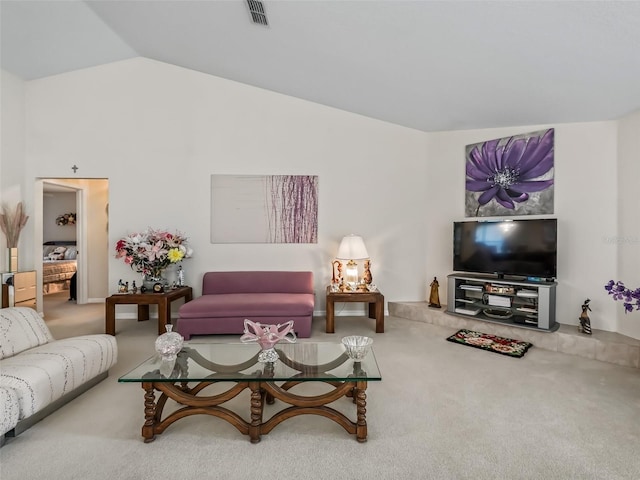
x: 264, y: 209
x: 510, y: 176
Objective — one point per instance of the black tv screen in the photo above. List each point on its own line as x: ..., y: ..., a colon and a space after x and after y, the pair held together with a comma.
x: 525, y: 248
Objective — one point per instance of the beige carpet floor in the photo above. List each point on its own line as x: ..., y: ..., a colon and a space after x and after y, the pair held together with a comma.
x: 442, y: 411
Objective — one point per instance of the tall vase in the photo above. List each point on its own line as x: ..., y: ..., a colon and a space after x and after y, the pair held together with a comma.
x: 169, y: 344
x: 13, y: 259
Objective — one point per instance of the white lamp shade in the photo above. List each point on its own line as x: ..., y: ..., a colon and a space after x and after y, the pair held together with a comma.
x: 352, y: 248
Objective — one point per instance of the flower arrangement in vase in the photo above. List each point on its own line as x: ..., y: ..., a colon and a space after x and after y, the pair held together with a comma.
x: 152, y: 251
x: 618, y: 291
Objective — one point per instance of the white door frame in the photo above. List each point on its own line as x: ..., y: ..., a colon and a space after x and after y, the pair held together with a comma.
x: 81, y: 237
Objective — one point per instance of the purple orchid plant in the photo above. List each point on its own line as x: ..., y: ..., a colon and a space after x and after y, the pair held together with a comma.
x: 619, y: 292
x: 509, y: 172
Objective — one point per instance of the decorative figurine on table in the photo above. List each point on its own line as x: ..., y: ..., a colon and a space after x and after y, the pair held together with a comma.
x: 434, y: 296
x: 336, y: 268
x: 180, y: 277
x: 122, y: 288
x: 366, y: 276
x: 585, y: 322
x: 134, y: 287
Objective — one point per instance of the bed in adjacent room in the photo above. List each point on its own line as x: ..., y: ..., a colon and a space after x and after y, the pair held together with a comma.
x: 58, y: 265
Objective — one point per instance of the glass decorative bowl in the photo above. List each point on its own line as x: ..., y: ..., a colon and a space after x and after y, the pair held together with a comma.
x: 169, y: 344
x: 357, y: 346
x: 267, y: 336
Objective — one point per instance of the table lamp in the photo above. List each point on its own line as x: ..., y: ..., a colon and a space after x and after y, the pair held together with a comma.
x: 352, y: 248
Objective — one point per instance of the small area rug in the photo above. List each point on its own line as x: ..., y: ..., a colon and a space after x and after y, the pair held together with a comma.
x: 492, y: 343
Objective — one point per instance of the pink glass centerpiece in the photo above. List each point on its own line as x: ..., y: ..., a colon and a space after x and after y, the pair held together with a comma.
x: 267, y: 336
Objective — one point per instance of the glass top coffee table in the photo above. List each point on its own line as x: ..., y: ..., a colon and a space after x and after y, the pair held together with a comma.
x: 201, y: 364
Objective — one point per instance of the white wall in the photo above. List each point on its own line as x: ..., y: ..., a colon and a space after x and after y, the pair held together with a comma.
x: 158, y: 132
x: 585, y: 177
x: 628, y: 202
x: 12, y: 155
x: 54, y: 205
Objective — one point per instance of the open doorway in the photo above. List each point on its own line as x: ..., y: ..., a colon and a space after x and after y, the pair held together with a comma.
x: 72, y: 240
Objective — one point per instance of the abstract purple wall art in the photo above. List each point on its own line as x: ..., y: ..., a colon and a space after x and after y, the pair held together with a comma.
x: 264, y: 209
x: 510, y: 176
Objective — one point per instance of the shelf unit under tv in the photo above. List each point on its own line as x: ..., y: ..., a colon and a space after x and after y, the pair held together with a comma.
x: 508, y: 301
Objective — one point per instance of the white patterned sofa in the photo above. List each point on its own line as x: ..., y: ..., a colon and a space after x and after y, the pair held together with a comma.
x: 39, y: 374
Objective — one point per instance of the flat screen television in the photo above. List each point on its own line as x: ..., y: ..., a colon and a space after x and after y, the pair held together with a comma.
x: 523, y: 248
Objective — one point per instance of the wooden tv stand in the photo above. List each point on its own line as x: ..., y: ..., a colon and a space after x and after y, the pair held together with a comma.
x: 518, y: 303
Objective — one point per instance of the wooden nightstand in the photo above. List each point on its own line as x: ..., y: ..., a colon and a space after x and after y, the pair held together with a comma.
x: 24, y: 290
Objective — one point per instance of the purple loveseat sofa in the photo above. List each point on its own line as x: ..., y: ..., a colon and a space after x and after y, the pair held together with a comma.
x: 266, y: 297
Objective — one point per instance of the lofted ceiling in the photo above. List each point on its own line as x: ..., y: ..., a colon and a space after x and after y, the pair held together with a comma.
x: 428, y: 65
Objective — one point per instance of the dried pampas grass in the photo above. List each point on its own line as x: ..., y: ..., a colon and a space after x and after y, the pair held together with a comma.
x: 12, y: 223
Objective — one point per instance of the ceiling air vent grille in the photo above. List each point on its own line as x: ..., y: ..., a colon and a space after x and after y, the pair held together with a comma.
x: 258, y: 15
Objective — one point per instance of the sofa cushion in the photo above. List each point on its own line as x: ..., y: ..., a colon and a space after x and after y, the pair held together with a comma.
x: 249, y: 305
x: 9, y: 410
x: 21, y: 328
x: 257, y: 282
x: 43, y: 374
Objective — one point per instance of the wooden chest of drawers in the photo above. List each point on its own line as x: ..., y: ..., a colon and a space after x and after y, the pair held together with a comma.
x: 24, y: 290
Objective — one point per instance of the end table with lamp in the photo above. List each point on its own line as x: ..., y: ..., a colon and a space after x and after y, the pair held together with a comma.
x: 375, y: 300
x: 352, y: 248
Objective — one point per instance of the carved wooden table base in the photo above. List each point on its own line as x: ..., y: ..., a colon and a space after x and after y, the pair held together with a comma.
x: 261, y: 392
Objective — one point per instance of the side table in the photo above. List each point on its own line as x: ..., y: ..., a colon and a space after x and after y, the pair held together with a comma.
x: 143, y: 300
x: 22, y: 286
x: 374, y: 299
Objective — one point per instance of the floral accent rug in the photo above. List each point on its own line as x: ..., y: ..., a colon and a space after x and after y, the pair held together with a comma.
x: 492, y: 343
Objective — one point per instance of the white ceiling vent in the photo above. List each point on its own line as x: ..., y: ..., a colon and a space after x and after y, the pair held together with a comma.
x: 258, y: 15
